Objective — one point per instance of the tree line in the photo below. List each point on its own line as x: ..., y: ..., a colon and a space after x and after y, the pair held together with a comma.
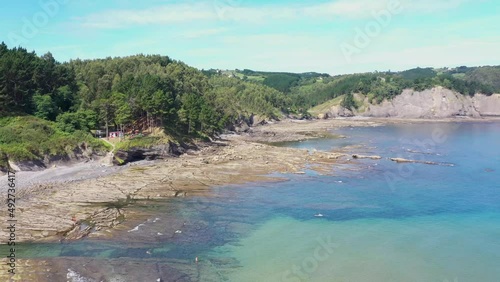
x: 117, y: 92
x: 386, y: 85
x: 158, y: 91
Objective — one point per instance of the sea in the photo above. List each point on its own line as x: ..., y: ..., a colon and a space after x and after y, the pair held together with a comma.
x: 367, y: 220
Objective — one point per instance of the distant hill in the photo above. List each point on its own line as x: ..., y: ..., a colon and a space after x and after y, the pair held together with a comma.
x: 281, y: 81
x: 307, y: 90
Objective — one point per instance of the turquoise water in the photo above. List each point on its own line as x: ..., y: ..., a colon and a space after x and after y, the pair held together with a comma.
x: 382, y: 222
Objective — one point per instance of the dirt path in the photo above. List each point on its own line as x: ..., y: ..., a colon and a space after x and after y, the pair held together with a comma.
x: 112, y: 145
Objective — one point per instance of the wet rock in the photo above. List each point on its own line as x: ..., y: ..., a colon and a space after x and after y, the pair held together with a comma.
x: 105, y: 218
x: 402, y: 160
x: 356, y: 156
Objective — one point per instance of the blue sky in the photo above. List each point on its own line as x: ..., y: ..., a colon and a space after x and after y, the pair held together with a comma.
x: 332, y: 36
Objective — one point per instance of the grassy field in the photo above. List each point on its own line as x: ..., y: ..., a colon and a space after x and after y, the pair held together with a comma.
x: 322, y: 108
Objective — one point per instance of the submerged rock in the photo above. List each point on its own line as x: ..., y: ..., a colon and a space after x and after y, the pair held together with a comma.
x: 366, y: 157
x: 402, y: 160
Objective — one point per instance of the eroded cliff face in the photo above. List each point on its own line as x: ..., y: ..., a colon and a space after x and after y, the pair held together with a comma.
x: 487, y: 105
x: 437, y: 102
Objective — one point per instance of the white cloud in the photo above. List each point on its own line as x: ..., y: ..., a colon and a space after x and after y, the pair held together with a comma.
x: 345, y: 8
x: 167, y: 14
x: 237, y: 11
x: 365, y: 8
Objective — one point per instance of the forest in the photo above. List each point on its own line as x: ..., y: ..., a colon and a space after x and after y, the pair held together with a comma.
x: 117, y: 92
x: 68, y: 100
x: 386, y: 85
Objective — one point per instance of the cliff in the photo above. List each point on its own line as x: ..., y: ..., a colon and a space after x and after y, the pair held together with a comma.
x: 437, y: 102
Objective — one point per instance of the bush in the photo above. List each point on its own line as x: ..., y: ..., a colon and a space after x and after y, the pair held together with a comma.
x: 30, y: 138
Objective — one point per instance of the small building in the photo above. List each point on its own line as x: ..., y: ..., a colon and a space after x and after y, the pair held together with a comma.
x: 116, y: 134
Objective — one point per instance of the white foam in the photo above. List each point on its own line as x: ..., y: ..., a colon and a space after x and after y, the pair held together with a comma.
x: 136, y: 228
x: 74, y: 276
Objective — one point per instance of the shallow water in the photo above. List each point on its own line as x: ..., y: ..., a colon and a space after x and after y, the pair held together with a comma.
x: 387, y: 222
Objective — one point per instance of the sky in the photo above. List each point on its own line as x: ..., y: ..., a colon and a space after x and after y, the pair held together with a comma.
x: 327, y: 36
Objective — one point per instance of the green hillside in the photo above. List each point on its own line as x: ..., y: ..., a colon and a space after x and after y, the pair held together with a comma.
x: 143, y: 92
x: 24, y: 138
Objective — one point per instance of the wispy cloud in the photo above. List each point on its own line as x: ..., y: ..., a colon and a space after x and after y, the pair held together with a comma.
x: 345, y: 8
x: 366, y: 8
x: 245, y: 12
x: 166, y: 14
x: 199, y: 33
x: 430, y: 6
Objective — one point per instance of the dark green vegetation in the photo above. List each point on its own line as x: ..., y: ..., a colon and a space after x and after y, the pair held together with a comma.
x: 142, y: 92
x: 307, y: 90
x: 134, y: 93
x: 386, y: 85
x: 29, y: 138
x: 129, y: 93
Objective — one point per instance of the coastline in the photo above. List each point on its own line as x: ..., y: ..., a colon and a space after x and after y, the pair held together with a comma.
x: 72, y: 209
x: 77, y: 201
x: 99, y: 203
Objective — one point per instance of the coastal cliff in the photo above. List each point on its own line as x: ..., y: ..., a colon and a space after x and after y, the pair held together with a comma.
x: 437, y: 102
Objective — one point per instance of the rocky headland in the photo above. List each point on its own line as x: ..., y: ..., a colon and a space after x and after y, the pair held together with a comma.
x: 434, y: 103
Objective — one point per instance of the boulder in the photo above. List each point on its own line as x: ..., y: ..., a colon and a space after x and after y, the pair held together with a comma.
x: 256, y: 120
x: 242, y: 127
x: 323, y: 116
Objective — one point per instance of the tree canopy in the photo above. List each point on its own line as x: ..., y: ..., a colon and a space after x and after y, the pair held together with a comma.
x: 145, y: 91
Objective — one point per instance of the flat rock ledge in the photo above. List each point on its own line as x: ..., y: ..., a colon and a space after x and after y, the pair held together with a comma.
x: 402, y: 160
x: 366, y: 157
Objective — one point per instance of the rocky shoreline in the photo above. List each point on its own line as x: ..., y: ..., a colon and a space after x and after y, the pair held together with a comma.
x: 92, y: 199
x: 73, y: 209
x: 70, y: 203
